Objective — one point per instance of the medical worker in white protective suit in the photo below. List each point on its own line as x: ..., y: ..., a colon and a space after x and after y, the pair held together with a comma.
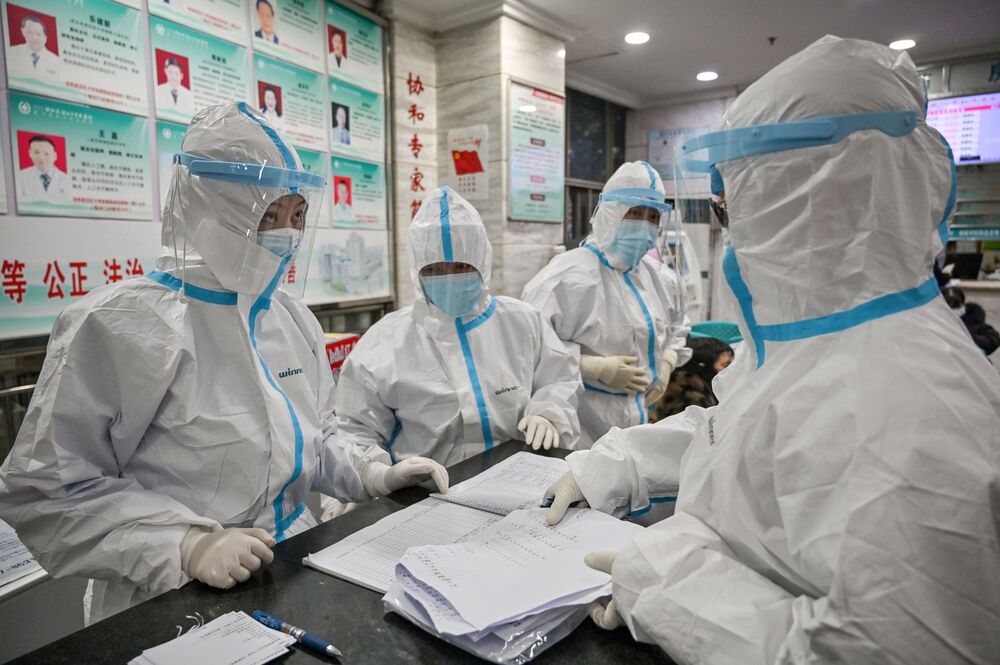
x: 460, y: 370
x: 182, y: 419
x: 840, y: 502
x: 611, y: 304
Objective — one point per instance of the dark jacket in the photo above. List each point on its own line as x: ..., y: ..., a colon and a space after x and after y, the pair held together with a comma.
x: 983, y: 334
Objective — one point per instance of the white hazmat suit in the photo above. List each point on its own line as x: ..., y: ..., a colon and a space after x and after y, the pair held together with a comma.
x: 600, y: 307
x: 421, y: 382
x: 158, y: 411
x: 839, y: 504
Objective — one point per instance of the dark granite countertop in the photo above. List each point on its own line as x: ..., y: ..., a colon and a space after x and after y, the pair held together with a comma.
x: 349, y: 615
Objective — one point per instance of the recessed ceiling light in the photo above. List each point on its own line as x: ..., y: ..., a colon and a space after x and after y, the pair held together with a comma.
x: 707, y: 76
x: 902, y: 44
x: 561, y: 53
x: 527, y: 108
x: 637, y: 37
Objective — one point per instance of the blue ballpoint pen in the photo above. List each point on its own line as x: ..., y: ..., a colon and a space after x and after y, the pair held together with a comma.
x: 305, y: 639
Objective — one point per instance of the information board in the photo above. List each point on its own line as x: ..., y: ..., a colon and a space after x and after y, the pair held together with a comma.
x: 537, y: 134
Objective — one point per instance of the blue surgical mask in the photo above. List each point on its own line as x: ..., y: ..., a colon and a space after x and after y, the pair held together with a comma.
x: 282, y: 242
x: 456, y: 295
x: 632, y: 240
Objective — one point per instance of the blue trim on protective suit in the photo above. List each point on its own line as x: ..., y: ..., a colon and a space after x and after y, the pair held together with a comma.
x: 286, y: 154
x: 396, y: 431
x: 731, y: 269
x: 588, y: 386
x: 196, y: 292
x: 651, y: 173
x: 649, y: 506
x: 477, y: 390
x: 650, y: 328
x: 446, y: 226
x: 263, y: 302
x: 952, y: 197
x: 482, y: 318
x: 876, y: 308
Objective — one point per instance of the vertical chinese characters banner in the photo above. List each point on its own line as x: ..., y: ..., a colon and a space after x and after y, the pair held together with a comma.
x: 87, y: 51
x: 39, y: 278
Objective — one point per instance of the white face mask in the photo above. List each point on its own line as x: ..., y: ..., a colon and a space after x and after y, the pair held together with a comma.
x: 282, y: 242
x: 959, y: 311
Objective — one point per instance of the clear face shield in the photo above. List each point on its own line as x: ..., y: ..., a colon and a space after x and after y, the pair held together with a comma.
x: 252, y: 224
x: 699, y: 162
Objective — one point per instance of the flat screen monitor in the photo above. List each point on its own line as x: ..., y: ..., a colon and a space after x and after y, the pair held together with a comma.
x: 970, y: 124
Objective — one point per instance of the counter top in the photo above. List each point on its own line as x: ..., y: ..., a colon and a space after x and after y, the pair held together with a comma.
x: 349, y: 615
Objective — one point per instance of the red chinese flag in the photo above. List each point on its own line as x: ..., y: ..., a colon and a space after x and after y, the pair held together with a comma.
x: 466, y: 162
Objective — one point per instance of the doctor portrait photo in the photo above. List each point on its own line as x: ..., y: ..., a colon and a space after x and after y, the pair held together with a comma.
x: 42, y: 176
x: 265, y: 21
x: 341, y: 132
x: 173, y: 90
x: 270, y: 104
x: 338, y: 44
x: 343, y: 210
x: 34, y: 46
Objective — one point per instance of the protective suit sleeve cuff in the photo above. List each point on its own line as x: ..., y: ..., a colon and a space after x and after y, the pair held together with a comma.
x: 599, y: 482
x: 670, y: 359
x: 373, y: 477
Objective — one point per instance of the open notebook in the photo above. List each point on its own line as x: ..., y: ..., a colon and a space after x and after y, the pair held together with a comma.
x: 369, y: 557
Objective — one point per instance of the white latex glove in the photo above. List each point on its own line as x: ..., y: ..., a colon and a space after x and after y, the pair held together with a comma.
x: 223, y: 558
x: 605, y: 616
x: 539, y: 432
x: 563, y: 492
x: 618, y: 372
x: 666, y: 365
x: 380, y: 479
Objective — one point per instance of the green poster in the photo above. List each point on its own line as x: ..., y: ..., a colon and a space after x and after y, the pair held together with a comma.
x: 3, y: 189
x: 537, y: 158
x: 315, y: 162
x: 168, y: 143
x: 348, y: 264
x: 358, y: 196
x: 357, y: 120
x: 289, y: 29
x: 354, y: 48
x: 88, y: 51
x: 78, y: 161
x: 291, y: 98
x: 221, y: 18
x: 193, y: 70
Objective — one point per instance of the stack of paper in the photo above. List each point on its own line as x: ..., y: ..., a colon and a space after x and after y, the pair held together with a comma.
x: 15, y: 559
x: 519, y: 577
x: 368, y: 557
x: 234, y: 638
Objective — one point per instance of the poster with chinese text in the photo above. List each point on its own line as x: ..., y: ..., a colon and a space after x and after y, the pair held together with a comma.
x: 78, y: 161
x: 315, y: 162
x: 221, y: 18
x: 354, y: 48
x: 88, y: 51
x: 291, y: 98
x: 467, y: 164
x: 348, y: 264
x: 358, y: 197
x: 357, y: 121
x: 537, y: 154
x: 47, y: 264
x: 661, y: 148
x: 193, y: 70
x: 289, y: 29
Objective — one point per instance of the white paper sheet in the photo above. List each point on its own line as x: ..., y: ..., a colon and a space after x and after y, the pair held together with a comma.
x: 15, y: 559
x: 516, y: 483
x: 368, y: 557
x: 234, y: 638
x: 519, y: 565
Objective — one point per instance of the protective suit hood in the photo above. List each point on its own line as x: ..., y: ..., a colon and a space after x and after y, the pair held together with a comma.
x: 447, y: 229
x: 820, y: 231
x: 639, y: 180
x: 213, y: 221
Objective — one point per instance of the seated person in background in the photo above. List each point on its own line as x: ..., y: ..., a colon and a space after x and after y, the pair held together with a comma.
x: 973, y: 316
x: 459, y: 370
x: 691, y: 384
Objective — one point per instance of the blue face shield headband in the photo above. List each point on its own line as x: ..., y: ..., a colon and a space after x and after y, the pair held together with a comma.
x: 250, y: 174
x: 702, y: 153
